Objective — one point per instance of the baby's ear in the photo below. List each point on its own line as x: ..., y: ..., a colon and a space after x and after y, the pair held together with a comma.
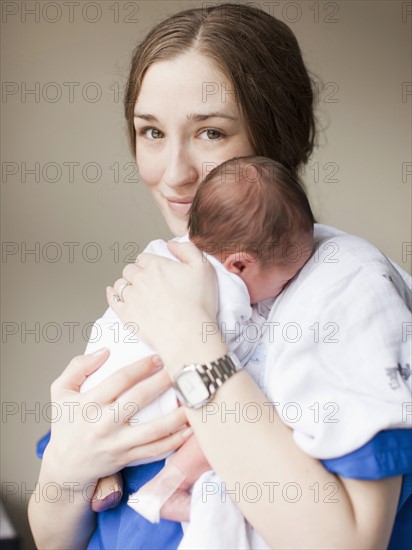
x: 238, y: 262
x: 234, y: 264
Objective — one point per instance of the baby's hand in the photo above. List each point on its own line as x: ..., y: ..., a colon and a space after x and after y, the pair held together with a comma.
x: 108, y: 493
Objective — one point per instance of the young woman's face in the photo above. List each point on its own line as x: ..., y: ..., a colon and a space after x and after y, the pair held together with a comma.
x: 187, y: 122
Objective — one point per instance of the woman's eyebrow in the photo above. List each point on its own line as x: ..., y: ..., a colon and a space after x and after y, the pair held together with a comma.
x: 146, y: 117
x: 196, y: 117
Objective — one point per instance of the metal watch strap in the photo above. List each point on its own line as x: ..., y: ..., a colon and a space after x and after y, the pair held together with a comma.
x: 216, y: 372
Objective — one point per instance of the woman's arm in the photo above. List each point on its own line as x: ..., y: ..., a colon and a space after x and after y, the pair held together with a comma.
x: 285, y: 479
x: 81, y: 450
x: 360, y: 514
x: 260, y: 457
x: 67, y: 523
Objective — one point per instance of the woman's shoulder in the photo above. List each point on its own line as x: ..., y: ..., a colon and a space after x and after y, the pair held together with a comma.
x: 340, y: 258
x: 333, y: 246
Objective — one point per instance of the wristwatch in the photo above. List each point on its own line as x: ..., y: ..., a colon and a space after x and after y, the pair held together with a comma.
x: 197, y: 383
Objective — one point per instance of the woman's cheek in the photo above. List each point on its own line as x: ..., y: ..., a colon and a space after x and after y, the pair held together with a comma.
x: 151, y: 176
x: 148, y: 162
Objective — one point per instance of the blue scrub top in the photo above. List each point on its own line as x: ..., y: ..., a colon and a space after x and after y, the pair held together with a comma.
x: 124, y: 529
x: 388, y: 454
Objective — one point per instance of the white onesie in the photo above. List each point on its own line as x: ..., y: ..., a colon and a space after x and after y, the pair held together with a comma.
x: 236, y: 318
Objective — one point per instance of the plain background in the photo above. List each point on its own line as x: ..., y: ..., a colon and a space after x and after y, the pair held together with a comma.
x: 76, y: 61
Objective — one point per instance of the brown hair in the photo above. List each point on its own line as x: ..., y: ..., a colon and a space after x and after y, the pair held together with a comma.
x: 262, y: 58
x: 252, y: 205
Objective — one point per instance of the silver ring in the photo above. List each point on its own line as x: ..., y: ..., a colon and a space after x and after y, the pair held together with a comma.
x: 121, y: 290
x: 116, y: 298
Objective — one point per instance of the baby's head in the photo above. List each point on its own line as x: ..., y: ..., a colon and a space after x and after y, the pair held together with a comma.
x: 253, y: 215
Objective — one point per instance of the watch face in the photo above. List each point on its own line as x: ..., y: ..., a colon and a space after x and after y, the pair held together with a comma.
x: 192, y: 387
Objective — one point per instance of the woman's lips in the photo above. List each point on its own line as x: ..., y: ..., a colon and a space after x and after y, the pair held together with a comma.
x: 180, y: 207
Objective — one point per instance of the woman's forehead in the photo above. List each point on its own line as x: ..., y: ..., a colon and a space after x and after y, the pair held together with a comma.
x: 192, y: 81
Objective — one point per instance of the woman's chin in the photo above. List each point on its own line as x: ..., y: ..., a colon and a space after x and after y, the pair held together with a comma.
x: 177, y: 227
x: 177, y: 224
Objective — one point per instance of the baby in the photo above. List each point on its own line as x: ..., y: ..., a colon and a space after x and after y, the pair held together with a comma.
x: 253, y: 222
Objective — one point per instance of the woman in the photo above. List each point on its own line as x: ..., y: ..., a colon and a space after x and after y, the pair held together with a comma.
x: 205, y: 86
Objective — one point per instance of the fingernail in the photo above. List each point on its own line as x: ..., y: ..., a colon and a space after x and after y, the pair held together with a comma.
x: 98, y: 352
x: 187, y: 432
x: 157, y: 361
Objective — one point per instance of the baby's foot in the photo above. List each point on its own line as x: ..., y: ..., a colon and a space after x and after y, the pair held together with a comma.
x: 106, y: 503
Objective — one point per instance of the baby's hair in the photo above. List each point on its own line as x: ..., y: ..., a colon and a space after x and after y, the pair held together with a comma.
x: 254, y: 205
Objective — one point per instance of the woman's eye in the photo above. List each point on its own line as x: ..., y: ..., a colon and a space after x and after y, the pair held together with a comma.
x: 211, y: 134
x: 151, y: 133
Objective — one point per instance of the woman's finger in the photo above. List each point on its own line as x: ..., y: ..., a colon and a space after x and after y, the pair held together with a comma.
x: 120, y: 288
x: 143, y: 260
x: 112, y: 298
x: 79, y: 368
x: 147, y: 390
x: 130, y: 272
x: 187, y: 253
x: 161, y: 446
x: 110, y: 389
x: 146, y: 432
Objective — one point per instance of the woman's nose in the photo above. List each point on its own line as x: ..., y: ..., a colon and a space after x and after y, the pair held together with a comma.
x: 181, y: 169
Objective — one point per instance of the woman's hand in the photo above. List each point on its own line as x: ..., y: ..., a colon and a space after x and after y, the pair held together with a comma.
x: 171, y: 302
x: 93, y: 437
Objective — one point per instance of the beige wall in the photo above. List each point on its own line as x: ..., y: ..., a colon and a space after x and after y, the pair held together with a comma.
x: 361, y: 51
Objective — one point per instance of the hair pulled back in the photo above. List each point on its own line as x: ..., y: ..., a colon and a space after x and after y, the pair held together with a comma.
x: 261, y: 57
